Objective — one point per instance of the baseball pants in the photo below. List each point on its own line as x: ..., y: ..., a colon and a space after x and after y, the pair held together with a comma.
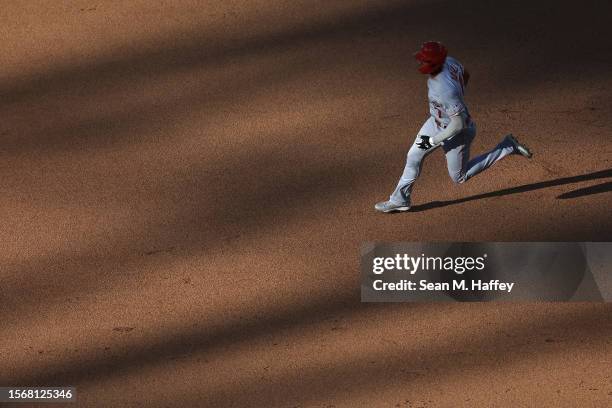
x: 457, y: 151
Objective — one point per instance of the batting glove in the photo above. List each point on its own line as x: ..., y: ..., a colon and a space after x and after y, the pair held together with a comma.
x: 425, y: 142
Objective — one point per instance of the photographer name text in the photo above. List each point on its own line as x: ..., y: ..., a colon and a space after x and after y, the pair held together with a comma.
x: 493, y: 285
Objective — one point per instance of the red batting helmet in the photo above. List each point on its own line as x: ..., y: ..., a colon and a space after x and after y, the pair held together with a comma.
x: 431, y: 56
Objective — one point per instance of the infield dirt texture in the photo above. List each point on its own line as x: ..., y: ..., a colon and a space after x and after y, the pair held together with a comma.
x: 185, y: 187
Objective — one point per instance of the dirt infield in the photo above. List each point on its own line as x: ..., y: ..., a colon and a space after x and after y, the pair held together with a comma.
x: 186, y: 186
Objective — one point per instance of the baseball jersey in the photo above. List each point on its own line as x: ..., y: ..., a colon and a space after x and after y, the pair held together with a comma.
x: 446, y: 92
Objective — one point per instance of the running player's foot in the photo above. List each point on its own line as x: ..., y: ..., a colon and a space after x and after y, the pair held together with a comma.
x: 520, y: 148
x: 390, y: 206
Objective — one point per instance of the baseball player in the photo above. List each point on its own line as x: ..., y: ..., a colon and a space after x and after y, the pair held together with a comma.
x: 449, y: 126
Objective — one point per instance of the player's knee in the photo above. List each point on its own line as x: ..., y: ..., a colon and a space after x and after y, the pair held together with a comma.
x: 413, y: 159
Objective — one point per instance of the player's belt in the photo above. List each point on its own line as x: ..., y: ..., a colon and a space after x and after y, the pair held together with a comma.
x: 468, y: 122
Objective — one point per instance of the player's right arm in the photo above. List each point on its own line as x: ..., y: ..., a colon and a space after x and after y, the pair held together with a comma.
x: 456, y: 125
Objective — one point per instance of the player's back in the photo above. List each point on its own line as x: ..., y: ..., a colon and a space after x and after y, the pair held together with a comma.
x: 449, y: 80
x: 446, y: 92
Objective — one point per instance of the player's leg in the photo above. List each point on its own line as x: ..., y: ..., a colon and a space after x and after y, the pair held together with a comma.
x: 400, y: 198
x: 457, y: 151
x: 412, y: 169
x: 486, y: 160
x: 461, y: 169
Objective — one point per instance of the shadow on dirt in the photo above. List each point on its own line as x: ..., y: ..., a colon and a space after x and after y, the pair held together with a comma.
x: 406, y: 366
x: 596, y: 189
x: 530, y: 187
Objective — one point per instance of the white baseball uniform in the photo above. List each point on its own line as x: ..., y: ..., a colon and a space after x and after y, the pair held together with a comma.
x: 446, y: 99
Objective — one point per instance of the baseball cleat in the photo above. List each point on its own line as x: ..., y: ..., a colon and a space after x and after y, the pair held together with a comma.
x: 390, y: 206
x: 520, y: 148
